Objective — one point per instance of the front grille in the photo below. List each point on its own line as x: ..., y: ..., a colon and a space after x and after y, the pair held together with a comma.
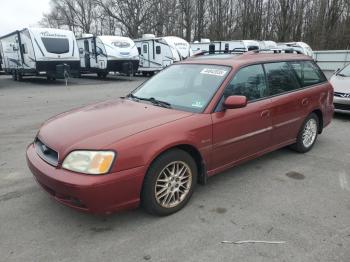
x: 342, y: 106
x: 46, y: 153
x: 344, y: 95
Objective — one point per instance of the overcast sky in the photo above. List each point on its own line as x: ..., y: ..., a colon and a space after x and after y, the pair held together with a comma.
x: 17, y: 14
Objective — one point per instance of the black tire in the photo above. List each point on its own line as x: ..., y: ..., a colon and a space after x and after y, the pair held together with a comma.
x: 144, y: 73
x: 148, y: 194
x: 151, y: 73
x: 300, y: 146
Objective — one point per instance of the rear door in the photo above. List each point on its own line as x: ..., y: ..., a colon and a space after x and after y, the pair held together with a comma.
x: 288, y: 102
x: 243, y: 132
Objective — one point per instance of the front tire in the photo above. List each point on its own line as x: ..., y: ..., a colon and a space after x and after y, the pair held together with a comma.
x: 169, y: 183
x: 307, y: 135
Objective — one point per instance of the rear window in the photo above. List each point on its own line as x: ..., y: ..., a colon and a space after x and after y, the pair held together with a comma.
x: 56, y: 45
x: 308, y: 73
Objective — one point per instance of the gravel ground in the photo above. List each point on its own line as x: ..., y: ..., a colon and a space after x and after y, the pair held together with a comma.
x: 284, y: 196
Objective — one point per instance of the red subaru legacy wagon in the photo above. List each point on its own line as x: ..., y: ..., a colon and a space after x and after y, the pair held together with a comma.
x: 191, y: 121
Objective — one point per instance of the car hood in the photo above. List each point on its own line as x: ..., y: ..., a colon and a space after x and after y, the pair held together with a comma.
x: 100, y: 125
x: 341, y: 84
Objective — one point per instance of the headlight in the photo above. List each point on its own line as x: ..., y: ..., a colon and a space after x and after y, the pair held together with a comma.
x: 89, y: 162
x: 136, y: 57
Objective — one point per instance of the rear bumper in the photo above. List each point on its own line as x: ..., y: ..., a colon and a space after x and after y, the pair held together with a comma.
x: 95, y: 194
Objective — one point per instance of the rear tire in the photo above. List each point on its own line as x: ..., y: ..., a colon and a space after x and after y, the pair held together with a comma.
x: 169, y: 183
x: 307, y: 135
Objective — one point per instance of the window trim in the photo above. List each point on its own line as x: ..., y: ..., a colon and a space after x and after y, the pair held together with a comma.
x: 217, y: 109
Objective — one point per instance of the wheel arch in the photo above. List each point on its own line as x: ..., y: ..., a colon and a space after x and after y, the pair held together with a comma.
x: 194, y: 153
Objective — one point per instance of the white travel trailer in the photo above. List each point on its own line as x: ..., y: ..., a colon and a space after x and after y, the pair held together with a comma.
x: 226, y: 46
x: 104, y: 54
x: 159, y: 52
x: 298, y: 46
x: 267, y: 44
x: 40, y: 51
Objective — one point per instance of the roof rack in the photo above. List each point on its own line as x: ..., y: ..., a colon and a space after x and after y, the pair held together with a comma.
x: 212, y: 52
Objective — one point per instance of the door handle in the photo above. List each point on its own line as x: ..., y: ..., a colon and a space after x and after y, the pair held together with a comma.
x: 265, y: 113
x: 305, y: 101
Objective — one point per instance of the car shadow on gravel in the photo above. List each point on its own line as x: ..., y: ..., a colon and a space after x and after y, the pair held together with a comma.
x: 342, y: 117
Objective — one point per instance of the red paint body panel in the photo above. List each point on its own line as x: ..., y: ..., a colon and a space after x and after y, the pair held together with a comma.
x: 98, y: 194
x: 140, y: 132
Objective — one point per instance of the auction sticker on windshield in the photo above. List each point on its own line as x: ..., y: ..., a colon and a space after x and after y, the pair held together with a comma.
x: 198, y: 104
x: 213, y: 71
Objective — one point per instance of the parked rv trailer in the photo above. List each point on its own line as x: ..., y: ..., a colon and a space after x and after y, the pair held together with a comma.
x: 298, y: 46
x: 159, y: 52
x: 239, y: 45
x: 267, y: 44
x: 40, y: 51
x: 104, y: 54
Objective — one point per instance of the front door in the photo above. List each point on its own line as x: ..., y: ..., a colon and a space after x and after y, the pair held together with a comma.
x: 242, y: 132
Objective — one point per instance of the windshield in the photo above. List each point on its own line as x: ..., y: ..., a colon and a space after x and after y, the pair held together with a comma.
x: 345, y: 71
x: 188, y: 87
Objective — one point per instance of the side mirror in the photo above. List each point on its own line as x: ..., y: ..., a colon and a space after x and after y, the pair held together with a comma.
x: 232, y: 102
x: 336, y: 71
x: 81, y: 50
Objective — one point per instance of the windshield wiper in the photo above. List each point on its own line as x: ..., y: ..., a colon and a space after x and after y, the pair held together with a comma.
x: 152, y: 100
x: 340, y: 74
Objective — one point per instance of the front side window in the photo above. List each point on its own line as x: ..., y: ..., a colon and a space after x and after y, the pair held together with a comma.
x: 308, y: 73
x: 187, y: 87
x: 249, y: 82
x: 280, y: 78
x: 56, y: 45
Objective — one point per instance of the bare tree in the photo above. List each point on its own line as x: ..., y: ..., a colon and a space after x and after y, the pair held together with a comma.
x: 324, y: 24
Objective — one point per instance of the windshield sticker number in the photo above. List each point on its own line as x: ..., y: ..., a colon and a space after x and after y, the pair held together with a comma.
x: 214, y: 72
x: 197, y: 104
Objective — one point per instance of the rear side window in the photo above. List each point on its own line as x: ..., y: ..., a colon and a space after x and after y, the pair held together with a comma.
x: 56, y: 45
x: 308, y: 73
x: 158, y: 50
x: 248, y: 81
x: 280, y: 78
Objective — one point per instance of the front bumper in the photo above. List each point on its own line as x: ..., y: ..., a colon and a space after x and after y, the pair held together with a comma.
x: 102, y: 194
x: 341, y: 105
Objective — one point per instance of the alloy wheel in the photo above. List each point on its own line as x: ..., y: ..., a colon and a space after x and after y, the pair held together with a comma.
x: 173, y: 184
